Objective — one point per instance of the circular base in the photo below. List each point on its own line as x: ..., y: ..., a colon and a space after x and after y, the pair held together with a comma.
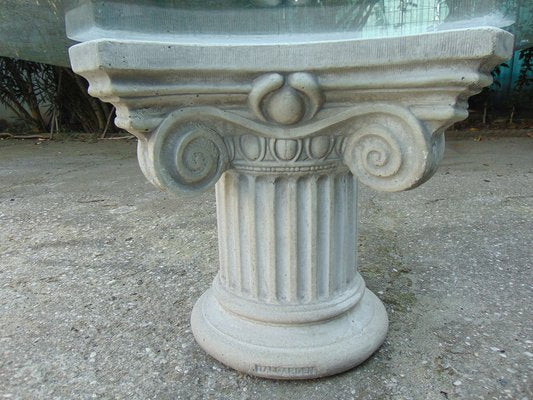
x: 290, y: 351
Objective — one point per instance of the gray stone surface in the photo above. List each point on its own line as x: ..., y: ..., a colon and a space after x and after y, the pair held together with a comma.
x: 99, y: 272
x: 292, y: 124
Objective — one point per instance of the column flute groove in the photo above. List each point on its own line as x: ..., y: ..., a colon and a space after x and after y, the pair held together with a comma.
x: 252, y: 229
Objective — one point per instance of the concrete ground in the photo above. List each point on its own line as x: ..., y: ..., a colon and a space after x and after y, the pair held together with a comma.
x: 99, y: 272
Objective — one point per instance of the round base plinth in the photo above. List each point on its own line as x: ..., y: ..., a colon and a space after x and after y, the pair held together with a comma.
x: 299, y: 351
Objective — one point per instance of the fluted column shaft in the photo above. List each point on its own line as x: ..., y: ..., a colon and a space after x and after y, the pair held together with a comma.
x: 288, y: 242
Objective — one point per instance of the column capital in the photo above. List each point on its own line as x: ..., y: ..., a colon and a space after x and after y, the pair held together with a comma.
x: 382, y: 114
x: 378, y: 105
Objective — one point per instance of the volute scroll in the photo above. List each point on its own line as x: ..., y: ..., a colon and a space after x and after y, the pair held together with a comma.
x: 391, y: 150
x: 185, y: 157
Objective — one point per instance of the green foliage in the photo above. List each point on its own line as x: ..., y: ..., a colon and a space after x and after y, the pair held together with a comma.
x: 77, y: 110
x: 524, y: 77
x: 24, y: 86
x: 50, y: 98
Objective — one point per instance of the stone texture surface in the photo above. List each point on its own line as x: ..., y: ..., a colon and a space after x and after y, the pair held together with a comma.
x: 99, y: 273
x: 290, y: 141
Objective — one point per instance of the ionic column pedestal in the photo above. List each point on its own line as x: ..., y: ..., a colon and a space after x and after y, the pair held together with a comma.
x: 288, y: 301
x: 280, y: 125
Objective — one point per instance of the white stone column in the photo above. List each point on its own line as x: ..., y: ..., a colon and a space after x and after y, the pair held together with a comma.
x: 287, y: 245
x: 286, y: 130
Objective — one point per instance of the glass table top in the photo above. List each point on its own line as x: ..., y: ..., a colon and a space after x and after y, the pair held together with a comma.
x: 356, y: 18
x: 228, y: 21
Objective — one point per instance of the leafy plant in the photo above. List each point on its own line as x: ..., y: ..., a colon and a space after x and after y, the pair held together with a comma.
x: 76, y: 109
x: 50, y: 98
x: 23, y: 89
x: 524, y: 76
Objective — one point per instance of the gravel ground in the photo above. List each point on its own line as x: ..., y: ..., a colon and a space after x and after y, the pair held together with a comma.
x: 99, y: 272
